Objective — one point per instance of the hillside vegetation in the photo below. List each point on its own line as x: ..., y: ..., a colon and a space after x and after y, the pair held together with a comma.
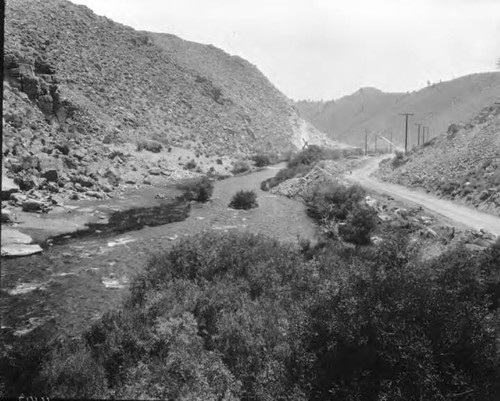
x: 436, y: 106
x: 462, y: 164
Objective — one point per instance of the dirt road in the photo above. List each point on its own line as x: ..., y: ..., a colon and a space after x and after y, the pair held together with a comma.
x: 460, y: 215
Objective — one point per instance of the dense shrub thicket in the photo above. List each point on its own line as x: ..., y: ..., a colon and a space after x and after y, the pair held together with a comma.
x: 341, y: 212
x: 197, y: 189
x: 241, y: 316
x: 244, y: 200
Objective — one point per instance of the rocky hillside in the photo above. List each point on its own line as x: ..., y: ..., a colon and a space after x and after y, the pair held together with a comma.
x: 84, y: 95
x: 462, y: 164
x: 436, y: 106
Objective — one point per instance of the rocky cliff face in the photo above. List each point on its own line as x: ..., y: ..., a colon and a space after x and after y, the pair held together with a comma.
x: 462, y: 164
x: 83, y: 93
x: 369, y: 109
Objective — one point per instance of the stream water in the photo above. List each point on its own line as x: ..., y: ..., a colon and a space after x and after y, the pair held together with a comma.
x: 75, y: 282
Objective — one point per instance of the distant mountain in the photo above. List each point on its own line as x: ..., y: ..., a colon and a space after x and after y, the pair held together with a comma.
x: 436, y: 106
x: 462, y: 164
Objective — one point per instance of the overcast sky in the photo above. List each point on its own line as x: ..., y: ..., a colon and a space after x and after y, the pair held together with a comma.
x: 324, y: 49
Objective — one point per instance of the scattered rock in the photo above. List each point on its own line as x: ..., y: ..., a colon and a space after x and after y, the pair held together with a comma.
x: 32, y: 205
x: 7, y: 217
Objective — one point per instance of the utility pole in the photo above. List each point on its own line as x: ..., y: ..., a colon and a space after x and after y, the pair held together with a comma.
x: 366, y: 142
x: 419, y: 125
x: 406, y: 129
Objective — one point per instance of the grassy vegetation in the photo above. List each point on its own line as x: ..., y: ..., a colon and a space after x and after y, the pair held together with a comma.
x: 242, y: 316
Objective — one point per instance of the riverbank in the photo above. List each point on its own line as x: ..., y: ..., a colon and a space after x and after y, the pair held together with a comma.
x: 80, y: 278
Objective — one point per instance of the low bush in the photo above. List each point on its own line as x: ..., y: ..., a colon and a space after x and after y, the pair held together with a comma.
x: 197, y: 189
x: 308, y: 156
x: 399, y: 159
x: 332, y: 201
x: 261, y: 160
x: 240, y: 167
x: 359, y: 225
x: 244, y: 200
x: 190, y: 165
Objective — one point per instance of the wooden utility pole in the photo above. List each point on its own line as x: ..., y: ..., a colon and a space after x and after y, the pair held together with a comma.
x: 366, y: 142
x: 406, y: 129
x: 419, y: 125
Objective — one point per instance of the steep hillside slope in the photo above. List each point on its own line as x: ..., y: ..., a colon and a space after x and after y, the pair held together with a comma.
x: 118, y: 77
x: 81, y: 92
x: 436, y: 107
x: 463, y: 164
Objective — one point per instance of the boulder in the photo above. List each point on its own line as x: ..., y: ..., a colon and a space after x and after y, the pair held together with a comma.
x: 17, y: 198
x: 155, y: 171
x: 7, y: 216
x: 15, y: 243
x: 53, y: 187
x: 32, y: 205
x: 50, y: 167
x: 8, y: 187
x: 95, y: 194
x: 149, y: 145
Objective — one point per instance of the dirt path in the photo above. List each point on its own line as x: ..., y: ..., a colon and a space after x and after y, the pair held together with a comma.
x: 460, y: 215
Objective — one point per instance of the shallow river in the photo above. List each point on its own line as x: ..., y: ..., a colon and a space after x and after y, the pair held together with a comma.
x: 71, y: 284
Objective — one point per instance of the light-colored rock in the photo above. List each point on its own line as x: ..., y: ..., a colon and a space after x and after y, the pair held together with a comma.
x: 15, y: 243
x: 8, y: 187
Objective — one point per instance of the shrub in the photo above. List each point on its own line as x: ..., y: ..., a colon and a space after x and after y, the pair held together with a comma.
x: 197, y: 189
x: 360, y: 223
x: 308, y: 156
x: 399, y: 159
x: 244, y: 200
x: 332, y: 201
x: 190, y: 165
x: 240, y: 167
x: 218, y: 161
x: 261, y: 160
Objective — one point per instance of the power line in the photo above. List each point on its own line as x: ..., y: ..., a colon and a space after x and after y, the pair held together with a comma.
x: 406, y: 129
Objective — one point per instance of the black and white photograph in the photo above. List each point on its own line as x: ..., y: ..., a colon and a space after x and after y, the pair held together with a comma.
x: 256, y: 200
